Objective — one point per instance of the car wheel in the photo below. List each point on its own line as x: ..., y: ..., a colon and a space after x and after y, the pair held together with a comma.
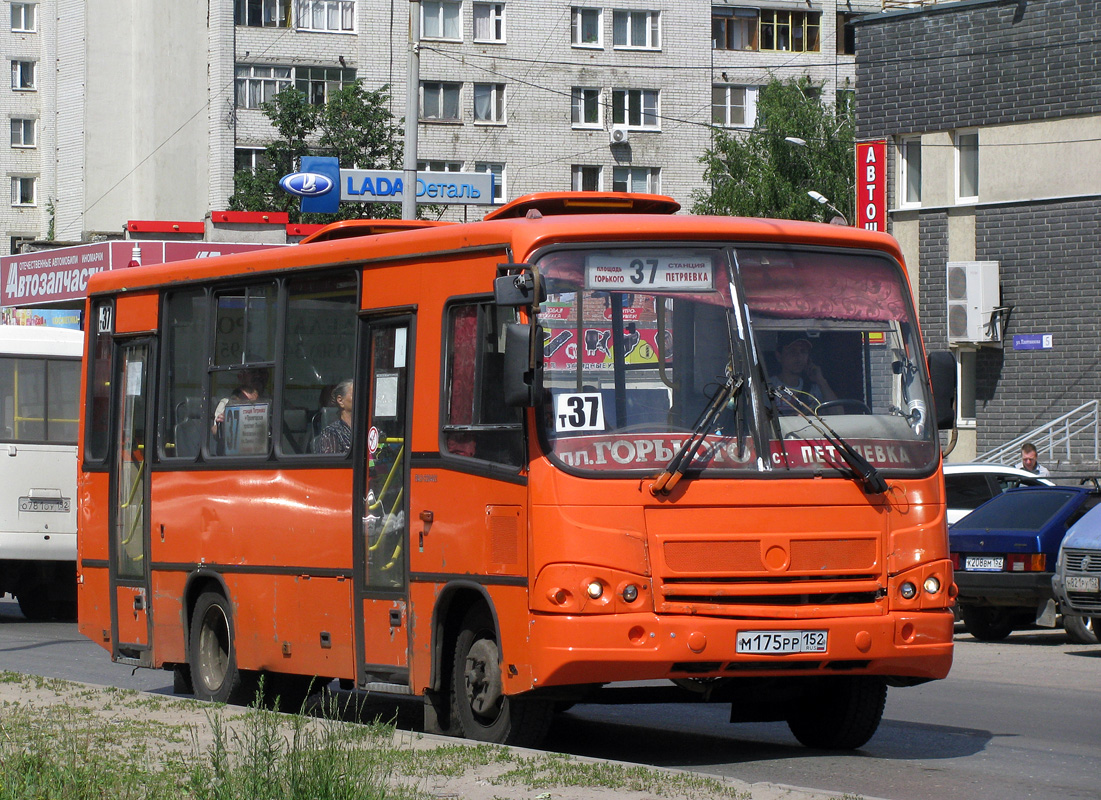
x: 1080, y: 629
x: 987, y: 623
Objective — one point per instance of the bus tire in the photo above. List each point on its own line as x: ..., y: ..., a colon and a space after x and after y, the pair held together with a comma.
x: 843, y: 714
x: 987, y: 623
x: 478, y: 702
x: 1080, y: 630
x: 35, y: 604
x: 213, y: 653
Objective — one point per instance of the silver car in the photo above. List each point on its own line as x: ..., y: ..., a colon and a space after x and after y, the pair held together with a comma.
x: 968, y: 486
x: 1077, y: 579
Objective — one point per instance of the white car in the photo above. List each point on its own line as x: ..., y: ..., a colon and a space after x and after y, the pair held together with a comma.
x: 968, y: 486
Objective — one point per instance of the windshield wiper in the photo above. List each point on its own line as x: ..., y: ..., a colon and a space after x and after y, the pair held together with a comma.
x: 862, y: 469
x: 674, y: 470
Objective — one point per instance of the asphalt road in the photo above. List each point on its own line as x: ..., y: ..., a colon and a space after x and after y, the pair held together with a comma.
x: 1014, y: 720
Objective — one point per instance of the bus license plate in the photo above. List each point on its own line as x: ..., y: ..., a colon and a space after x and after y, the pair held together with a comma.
x: 983, y: 563
x: 1081, y: 583
x: 781, y: 642
x: 44, y: 503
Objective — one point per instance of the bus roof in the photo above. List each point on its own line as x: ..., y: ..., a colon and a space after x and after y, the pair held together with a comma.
x: 40, y: 340
x: 575, y: 217
x: 348, y: 228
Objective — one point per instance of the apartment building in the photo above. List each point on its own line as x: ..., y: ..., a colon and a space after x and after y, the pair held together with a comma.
x: 126, y: 109
x: 992, y: 113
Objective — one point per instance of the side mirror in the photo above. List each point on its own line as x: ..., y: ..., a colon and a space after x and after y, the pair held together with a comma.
x: 522, y: 288
x: 942, y: 379
x: 520, y: 373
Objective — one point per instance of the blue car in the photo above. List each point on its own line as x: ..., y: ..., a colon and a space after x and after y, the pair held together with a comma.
x: 1004, y: 555
x: 1077, y: 580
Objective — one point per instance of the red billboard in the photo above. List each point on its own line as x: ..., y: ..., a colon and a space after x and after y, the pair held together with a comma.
x: 871, y: 185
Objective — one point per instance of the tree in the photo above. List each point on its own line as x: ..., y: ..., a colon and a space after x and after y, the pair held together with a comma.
x: 354, y: 125
x: 759, y: 173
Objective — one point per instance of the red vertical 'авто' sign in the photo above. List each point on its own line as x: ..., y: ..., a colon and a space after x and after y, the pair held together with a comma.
x: 871, y: 185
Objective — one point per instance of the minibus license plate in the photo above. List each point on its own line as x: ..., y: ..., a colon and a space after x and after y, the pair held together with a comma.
x: 781, y: 641
x: 1081, y: 583
x: 44, y: 503
x: 983, y: 563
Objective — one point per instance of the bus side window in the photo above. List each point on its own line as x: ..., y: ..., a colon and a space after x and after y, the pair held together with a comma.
x: 180, y: 421
x: 477, y: 423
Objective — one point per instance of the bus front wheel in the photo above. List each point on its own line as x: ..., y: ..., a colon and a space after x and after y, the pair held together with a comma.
x: 213, y: 653
x: 484, y: 712
x: 842, y: 714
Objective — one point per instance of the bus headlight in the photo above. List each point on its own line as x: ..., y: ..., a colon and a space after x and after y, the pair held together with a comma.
x: 630, y: 593
x: 595, y: 589
x: 907, y: 590
x: 932, y: 585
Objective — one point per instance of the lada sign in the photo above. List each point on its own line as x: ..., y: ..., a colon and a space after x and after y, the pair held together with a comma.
x: 306, y: 184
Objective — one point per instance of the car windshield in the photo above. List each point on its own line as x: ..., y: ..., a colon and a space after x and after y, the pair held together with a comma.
x: 1018, y: 510
x: 640, y: 341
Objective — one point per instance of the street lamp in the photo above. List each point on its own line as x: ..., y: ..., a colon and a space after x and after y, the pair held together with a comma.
x: 821, y: 199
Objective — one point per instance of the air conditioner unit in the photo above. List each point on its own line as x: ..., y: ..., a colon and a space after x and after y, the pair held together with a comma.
x: 973, y: 295
x: 618, y: 136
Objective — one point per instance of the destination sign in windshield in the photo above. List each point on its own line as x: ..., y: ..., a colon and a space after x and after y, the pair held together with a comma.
x: 648, y: 271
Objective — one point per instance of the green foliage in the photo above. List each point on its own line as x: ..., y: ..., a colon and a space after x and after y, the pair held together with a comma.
x: 758, y: 173
x: 354, y: 125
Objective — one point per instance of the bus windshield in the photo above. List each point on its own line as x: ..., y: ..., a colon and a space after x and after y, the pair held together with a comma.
x: 640, y: 341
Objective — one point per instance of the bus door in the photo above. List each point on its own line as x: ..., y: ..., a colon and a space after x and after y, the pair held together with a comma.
x: 131, y: 623
x: 380, y: 548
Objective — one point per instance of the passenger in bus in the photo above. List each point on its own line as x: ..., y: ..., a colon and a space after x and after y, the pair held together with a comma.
x: 336, y: 437
x: 461, y: 444
x: 251, y: 384
x: 799, y: 373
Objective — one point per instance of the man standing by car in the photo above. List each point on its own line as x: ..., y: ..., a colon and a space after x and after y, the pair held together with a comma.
x: 1030, y: 462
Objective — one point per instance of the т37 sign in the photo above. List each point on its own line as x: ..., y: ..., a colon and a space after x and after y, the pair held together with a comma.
x: 871, y: 185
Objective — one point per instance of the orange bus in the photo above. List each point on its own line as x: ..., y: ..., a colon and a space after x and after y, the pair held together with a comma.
x: 507, y: 465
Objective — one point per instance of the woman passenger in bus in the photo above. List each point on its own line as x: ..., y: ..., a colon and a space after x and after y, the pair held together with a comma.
x: 336, y: 437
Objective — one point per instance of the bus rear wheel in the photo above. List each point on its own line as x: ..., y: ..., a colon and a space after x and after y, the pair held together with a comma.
x: 843, y: 714
x: 213, y: 653
x: 478, y: 702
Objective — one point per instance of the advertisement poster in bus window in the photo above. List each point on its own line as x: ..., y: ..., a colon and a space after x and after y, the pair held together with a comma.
x: 562, y: 349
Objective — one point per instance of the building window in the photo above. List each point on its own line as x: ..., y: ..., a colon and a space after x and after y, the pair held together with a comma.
x: 16, y: 243
x: 635, y: 108
x: 489, y: 22
x: 489, y: 103
x: 23, y: 191
x: 846, y: 34
x: 585, y: 108
x: 967, y: 167
x: 318, y: 83
x: 439, y: 166
x: 909, y: 162
x: 586, y: 27
x: 733, y: 28
x: 586, y: 178
x: 22, y: 76
x: 262, y: 13
x: 250, y: 159
x: 636, y: 179
x: 636, y: 29
x: 326, y: 15
x: 498, y: 171
x: 257, y: 85
x: 733, y: 106
x: 440, y: 101
x: 24, y: 17
x: 441, y: 19
x: 965, y: 388
x: 23, y: 133
x: 795, y: 31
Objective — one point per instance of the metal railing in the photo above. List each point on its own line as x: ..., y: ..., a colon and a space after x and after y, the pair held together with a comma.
x: 889, y: 4
x: 1066, y: 439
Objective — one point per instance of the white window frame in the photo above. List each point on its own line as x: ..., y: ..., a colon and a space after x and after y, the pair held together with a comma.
x: 273, y: 13
x: 328, y: 16
x: 965, y: 387
x: 906, y: 151
x: 19, y: 68
x: 748, y: 105
x: 17, y: 184
x: 578, y: 97
x: 577, y: 177
x: 577, y: 16
x: 439, y: 166
x: 651, y: 177
x: 19, y: 128
x: 439, y: 89
x: 24, y: 17
x: 498, y: 171
x: 496, y: 95
x: 255, y: 156
x: 626, y: 100
x: 267, y: 79
x: 650, y: 21
x: 494, y: 14
x: 961, y: 156
x: 435, y: 11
